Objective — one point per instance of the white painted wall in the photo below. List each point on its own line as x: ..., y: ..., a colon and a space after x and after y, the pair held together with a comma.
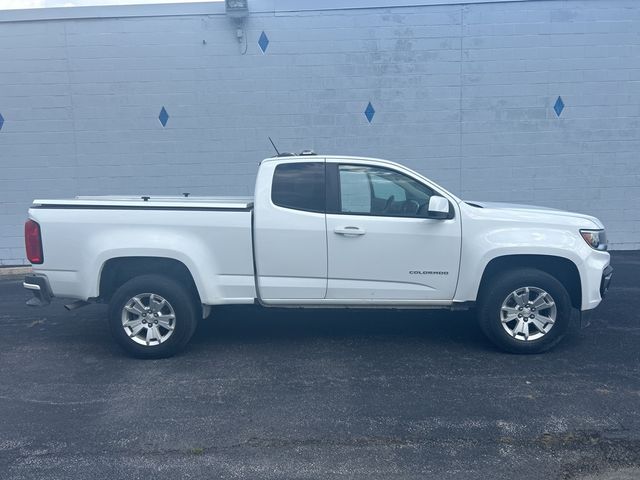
x: 462, y: 93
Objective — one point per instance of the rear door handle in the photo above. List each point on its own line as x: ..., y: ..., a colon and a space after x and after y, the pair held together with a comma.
x: 349, y: 231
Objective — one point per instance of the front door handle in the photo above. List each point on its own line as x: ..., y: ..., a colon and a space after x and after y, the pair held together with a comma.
x: 349, y: 231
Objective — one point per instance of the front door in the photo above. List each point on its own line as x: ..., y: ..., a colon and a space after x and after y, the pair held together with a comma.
x: 380, y: 245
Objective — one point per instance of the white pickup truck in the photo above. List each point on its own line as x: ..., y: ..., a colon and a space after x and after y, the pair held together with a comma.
x: 321, y: 231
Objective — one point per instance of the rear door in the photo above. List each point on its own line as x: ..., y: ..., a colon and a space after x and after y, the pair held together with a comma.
x: 290, y: 239
x: 381, y: 247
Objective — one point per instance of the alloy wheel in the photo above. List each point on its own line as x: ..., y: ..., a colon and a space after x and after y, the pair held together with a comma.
x: 528, y: 313
x: 148, y: 319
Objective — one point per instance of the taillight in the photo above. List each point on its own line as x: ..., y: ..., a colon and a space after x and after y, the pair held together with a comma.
x: 33, y: 242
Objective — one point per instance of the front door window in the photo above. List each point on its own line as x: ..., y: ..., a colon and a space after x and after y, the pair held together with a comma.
x: 381, y: 192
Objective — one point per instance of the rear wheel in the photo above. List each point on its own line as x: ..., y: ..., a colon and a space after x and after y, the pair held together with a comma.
x: 525, y: 311
x: 152, y: 316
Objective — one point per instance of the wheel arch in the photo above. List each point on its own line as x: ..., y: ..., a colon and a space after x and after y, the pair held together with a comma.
x: 118, y: 270
x: 561, y: 268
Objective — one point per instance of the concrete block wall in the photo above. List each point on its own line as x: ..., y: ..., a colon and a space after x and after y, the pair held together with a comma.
x: 463, y: 93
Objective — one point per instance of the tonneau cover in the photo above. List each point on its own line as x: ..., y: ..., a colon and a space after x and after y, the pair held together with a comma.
x: 151, y: 201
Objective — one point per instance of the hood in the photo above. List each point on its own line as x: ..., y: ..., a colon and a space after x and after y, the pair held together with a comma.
x: 517, y: 206
x: 590, y: 221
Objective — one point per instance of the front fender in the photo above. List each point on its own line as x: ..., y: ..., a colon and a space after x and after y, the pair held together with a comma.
x: 480, y: 249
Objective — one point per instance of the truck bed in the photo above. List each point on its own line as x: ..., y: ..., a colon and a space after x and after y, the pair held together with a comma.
x: 211, y: 236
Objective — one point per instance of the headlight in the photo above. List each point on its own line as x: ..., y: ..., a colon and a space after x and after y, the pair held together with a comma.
x: 595, y: 238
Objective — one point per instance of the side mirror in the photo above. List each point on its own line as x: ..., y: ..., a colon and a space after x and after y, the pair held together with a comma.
x: 438, y: 208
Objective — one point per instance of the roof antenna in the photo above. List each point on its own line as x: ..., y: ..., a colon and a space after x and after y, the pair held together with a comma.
x: 274, y: 147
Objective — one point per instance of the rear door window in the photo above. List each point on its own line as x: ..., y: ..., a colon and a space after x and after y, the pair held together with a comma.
x: 300, y: 186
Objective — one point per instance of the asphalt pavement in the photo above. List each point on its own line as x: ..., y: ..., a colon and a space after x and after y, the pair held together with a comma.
x: 320, y: 394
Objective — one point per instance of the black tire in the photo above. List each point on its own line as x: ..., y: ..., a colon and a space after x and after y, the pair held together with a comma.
x: 499, y: 288
x: 184, y: 303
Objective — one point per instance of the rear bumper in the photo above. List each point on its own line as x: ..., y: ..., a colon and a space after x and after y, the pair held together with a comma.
x: 39, y: 286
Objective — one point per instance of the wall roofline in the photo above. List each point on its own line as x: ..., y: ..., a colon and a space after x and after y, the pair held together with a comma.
x: 217, y: 8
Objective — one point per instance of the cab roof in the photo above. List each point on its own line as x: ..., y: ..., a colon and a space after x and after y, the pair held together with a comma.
x: 316, y: 157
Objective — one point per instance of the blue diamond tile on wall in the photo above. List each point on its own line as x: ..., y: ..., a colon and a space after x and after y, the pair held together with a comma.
x: 263, y: 42
x: 369, y: 112
x: 163, y: 117
x: 559, y: 106
x: 1, y: 121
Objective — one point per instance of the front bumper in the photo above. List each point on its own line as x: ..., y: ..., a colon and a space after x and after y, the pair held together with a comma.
x: 39, y: 286
x: 605, y: 282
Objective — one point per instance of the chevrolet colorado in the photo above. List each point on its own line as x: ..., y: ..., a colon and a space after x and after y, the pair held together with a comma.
x: 320, y: 231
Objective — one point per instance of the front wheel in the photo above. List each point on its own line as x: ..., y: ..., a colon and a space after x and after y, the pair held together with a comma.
x: 152, y: 316
x: 525, y: 311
